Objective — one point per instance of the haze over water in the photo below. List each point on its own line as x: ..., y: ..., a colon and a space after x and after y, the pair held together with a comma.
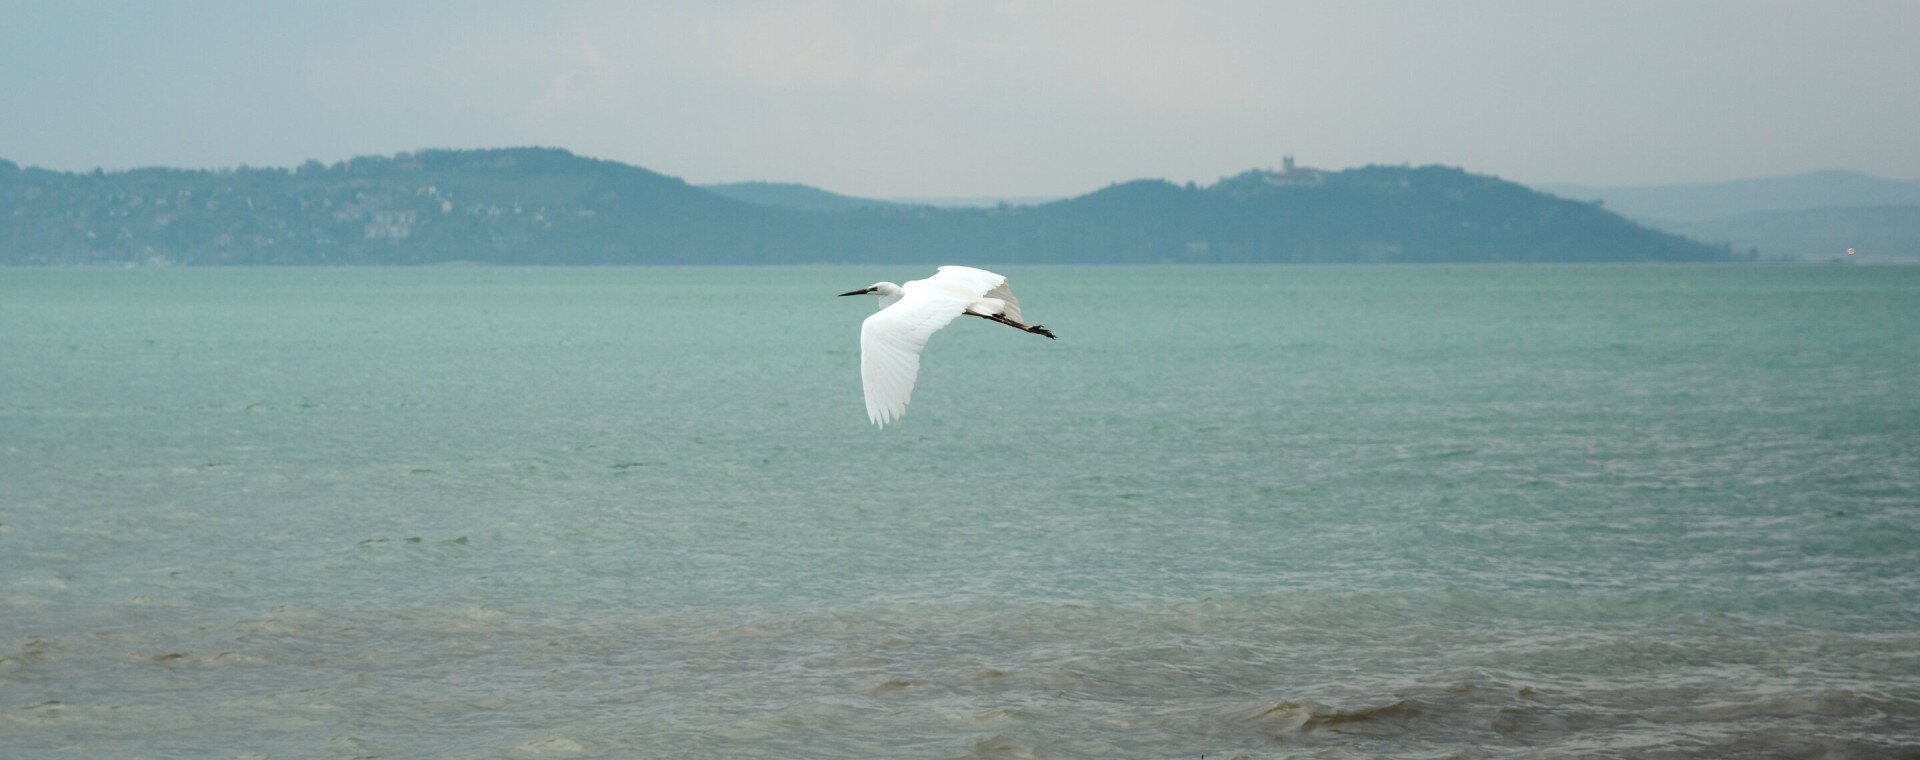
x: 1273, y: 511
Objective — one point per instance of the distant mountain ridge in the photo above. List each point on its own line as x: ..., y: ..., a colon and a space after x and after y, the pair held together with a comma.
x: 1701, y: 201
x: 1877, y: 232
x: 549, y: 206
x: 792, y: 195
x: 973, y: 201
x: 1813, y: 215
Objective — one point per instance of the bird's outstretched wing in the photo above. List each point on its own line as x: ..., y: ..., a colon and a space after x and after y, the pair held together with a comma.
x: 890, y: 345
x: 983, y: 284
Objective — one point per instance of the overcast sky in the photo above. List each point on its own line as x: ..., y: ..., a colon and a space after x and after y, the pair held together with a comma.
x: 977, y: 98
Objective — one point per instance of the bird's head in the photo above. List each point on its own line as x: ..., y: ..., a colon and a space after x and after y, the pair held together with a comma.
x: 878, y: 289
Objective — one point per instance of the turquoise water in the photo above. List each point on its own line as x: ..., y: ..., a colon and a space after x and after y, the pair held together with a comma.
x: 1270, y: 511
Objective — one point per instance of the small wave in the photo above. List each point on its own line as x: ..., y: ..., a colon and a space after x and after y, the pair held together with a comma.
x: 1286, y: 720
x: 1823, y: 704
x: 555, y: 746
x: 1000, y: 746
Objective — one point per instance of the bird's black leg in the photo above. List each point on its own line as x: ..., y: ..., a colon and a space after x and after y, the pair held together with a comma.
x: 1035, y: 329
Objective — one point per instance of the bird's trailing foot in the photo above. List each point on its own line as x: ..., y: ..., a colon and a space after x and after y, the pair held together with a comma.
x: 1035, y: 329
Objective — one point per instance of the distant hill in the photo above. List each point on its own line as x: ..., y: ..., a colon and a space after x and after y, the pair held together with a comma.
x: 1719, y: 200
x: 974, y: 201
x: 1813, y: 215
x: 548, y: 206
x: 801, y: 197
x: 509, y: 206
x: 792, y: 195
x: 1877, y: 232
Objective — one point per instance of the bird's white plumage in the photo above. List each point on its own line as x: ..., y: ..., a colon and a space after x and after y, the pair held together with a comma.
x: 891, y: 340
x: 988, y: 285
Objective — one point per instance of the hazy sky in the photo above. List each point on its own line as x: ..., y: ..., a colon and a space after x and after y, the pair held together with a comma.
x: 977, y: 98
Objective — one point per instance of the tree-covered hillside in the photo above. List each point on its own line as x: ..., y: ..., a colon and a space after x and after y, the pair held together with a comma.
x: 548, y: 206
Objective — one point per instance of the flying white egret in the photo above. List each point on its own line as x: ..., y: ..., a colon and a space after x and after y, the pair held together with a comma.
x: 891, y: 339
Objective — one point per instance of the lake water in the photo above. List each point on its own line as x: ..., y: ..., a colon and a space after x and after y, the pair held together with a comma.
x: 1269, y: 512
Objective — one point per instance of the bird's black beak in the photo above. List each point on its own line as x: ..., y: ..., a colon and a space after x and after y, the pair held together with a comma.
x: 860, y: 292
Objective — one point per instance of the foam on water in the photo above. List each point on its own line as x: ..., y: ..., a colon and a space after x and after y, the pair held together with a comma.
x: 1342, y: 512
